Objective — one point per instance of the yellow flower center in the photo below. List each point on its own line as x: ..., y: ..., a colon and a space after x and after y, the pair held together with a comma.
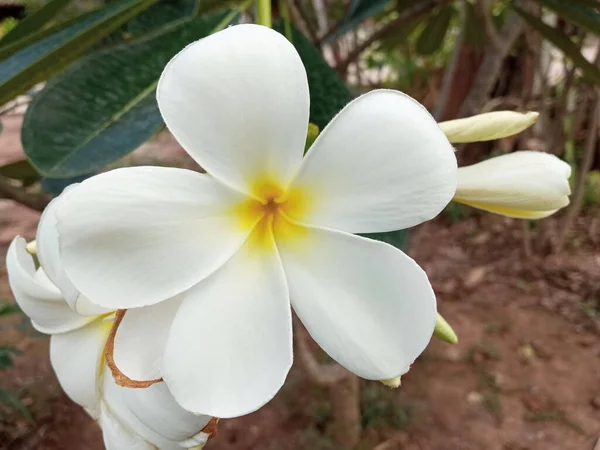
x: 270, y: 211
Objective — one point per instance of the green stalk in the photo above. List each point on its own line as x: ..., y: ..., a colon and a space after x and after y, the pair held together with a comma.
x: 263, y: 10
x: 284, y: 10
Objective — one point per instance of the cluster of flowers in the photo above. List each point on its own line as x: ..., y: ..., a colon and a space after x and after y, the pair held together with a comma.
x: 167, y: 292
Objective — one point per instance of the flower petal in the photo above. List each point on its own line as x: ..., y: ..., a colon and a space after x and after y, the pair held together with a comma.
x: 118, y: 437
x: 140, y: 339
x: 49, y: 256
x: 156, y: 408
x: 117, y: 401
x: 76, y: 359
x: 137, y: 236
x: 230, y: 345
x: 366, y: 303
x: 382, y: 164
x: 36, y: 295
x: 238, y: 102
x: 523, y: 184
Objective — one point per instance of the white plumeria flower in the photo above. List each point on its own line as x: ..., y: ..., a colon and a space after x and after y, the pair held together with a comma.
x: 217, y: 258
x: 141, y: 419
x: 525, y: 185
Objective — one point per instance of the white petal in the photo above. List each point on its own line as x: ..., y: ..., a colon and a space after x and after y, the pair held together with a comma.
x: 382, y: 164
x: 366, y: 303
x: 115, y: 402
x: 49, y: 256
x: 137, y: 236
x: 230, y: 345
x: 141, y: 337
x: 238, y: 102
x: 36, y: 295
x: 118, y: 437
x: 521, y: 184
x: 156, y: 408
x: 76, y: 359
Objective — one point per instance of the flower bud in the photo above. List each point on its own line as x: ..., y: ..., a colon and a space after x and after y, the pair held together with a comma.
x: 488, y: 126
x: 443, y: 331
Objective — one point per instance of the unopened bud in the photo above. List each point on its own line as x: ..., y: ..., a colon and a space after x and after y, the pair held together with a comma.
x: 311, y: 136
x: 488, y: 126
x: 31, y: 248
x: 443, y: 331
x: 392, y: 382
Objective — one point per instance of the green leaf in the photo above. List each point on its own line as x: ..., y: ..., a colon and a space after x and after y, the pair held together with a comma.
x: 12, y: 401
x: 328, y: 94
x: 19, y: 170
x: 359, y: 11
x: 55, y: 186
x: 49, y: 56
x: 161, y: 14
x: 396, y: 238
x: 432, y: 36
x: 563, y: 43
x: 34, y: 22
x: 7, y: 355
x: 474, y: 29
x: 104, y: 106
x: 9, y: 308
x: 580, y: 15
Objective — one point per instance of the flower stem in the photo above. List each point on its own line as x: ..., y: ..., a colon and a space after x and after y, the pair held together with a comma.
x: 263, y: 9
x: 284, y: 10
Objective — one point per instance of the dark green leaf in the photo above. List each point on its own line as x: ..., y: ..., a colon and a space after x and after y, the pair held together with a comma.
x: 563, y: 43
x: 474, y: 30
x: 580, y: 15
x: 9, y: 308
x: 161, y: 14
x: 7, y: 355
x: 328, y: 94
x: 34, y: 22
x: 55, y: 186
x: 104, y: 106
x: 396, y: 238
x: 19, y: 170
x: 45, y: 58
x: 12, y: 401
x: 359, y: 11
x: 432, y: 36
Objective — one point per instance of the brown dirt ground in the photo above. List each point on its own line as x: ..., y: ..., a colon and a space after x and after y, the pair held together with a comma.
x: 525, y: 374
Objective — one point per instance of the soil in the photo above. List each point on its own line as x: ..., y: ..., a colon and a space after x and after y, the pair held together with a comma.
x: 525, y: 374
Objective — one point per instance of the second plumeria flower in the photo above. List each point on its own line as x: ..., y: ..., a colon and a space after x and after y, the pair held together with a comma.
x: 207, y: 264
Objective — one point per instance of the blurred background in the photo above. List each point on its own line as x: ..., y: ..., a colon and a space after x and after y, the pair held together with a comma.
x: 77, y: 80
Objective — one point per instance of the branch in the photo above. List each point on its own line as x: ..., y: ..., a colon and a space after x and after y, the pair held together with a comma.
x: 489, y: 70
x: 586, y: 165
x: 34, y: 201
x: 482, y: 9
x: 408, y: 15
x: 323, y: 374
x: 302, y: 21
x: 450, y: 72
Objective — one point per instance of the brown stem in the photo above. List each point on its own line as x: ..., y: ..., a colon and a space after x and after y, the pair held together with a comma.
x: 343, y: 387
x: 301, y: 19
x: 409, y: 14
x: 489, y: 70
x: 34, y: 201
x: 586, y: 165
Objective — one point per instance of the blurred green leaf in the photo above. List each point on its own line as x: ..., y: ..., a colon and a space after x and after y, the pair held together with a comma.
x: 328, y: 93
x: 161, y: 14
x: 12, y: 401
x: 7, y: 355
x: 55, y: 186
x: 104, y: 106
x: 474, y: 30
x: 396, y: 238
x: 49, y: 56
x: 432, y: 36
x: 7, y: 309
x: 19, y: 170
x: 358, y: 12
x: 34, y: 22
x: 577, y: 14
x: 563, y: 43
